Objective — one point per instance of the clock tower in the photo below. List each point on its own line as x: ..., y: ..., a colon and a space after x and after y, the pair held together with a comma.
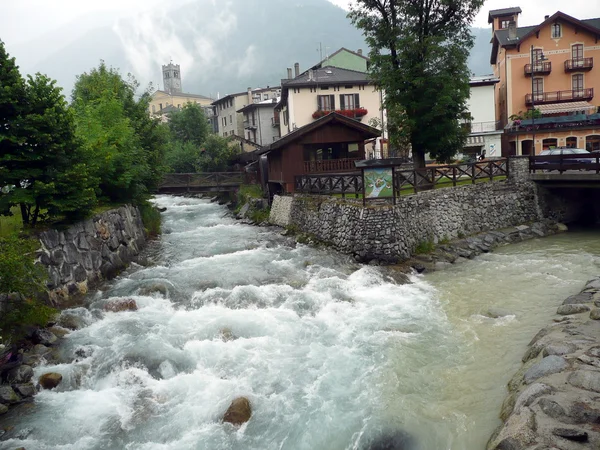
x: 172, y: 78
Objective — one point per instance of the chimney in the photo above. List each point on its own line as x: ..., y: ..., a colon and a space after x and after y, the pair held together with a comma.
x: 359, y: 51
x: 310, y: 74
x: 289, y: 73
x: 512, y: 30
x: 249, y: 95
x: 296, y: 69
x: 546, y: 17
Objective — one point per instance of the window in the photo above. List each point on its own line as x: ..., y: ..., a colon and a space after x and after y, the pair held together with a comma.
x: 349, y: 86
x: 556, y: 30
x: 167, y: 74
x: 592, y: 142
x: 549, y: 143
x: 538, y: 89
x: 230, y: 119
x: 324, y: 88
x: 572, y: 142
x: 326, y: 102
x: 176, y: 74
x: 577, y: 83
x: 577, y: 51
x: 153, y: 108
x: 349, y: 101
x: 504, y: 23
x: 265, y: 96
x: 159, y: 106
x: 537, y: 56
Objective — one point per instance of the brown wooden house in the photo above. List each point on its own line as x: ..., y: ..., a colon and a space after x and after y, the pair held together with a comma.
x: 330, y: 144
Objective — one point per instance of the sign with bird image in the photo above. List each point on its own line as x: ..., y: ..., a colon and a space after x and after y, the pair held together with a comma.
x: 379, y: 182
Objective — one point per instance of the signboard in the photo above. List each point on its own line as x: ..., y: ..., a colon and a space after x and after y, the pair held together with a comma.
x: 378, y: 182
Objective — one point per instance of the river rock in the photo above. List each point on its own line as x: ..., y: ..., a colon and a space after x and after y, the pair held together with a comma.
x: 238, y: 412
x: 50, y: 380
x: 153, y: 289
x: 25, y: 389
x: 128, y: 304
x: 571, y: 434
x: 565, y: 310
x: 59, y: 332
x: 21, y: 374
x: 516, y: 433
x: 531, y: 393
x: 595, y: 314
x: 582, y: 297
x: 227, y: 335
x: 582, y: 412
x: 44, y: 337
x: 547, y: 366
x: 3, y: 409
x: 552, y: 409
x: 585, y: 379
x: 40, y: 349
x: 559, y: 349
x: 496, y: 313
x: 8, y: 395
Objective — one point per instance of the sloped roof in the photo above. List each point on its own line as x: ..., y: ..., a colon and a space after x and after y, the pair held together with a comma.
x: 182, y: 94
x: 327, y: 75
x: 333, y: 117
x: 320, y: 63
x: 501, y: 39
x: 503, y: 12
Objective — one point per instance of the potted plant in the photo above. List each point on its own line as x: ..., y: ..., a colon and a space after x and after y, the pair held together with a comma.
x: 320, y: 113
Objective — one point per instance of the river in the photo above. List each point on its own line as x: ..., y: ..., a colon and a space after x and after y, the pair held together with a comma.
x: 331, y: 354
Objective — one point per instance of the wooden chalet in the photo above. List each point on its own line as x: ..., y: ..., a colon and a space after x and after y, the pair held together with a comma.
x: 330, y: 144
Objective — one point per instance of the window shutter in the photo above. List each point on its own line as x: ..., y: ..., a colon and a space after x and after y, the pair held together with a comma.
x: 332, y: 100
x: 342, y: 104
x: 319, y: 103
x: 356, y: 101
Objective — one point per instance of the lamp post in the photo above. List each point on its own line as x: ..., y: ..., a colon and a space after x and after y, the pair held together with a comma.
x: 541, y: 59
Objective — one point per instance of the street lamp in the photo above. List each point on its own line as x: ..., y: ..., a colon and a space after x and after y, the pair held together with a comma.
x: 541, y: 58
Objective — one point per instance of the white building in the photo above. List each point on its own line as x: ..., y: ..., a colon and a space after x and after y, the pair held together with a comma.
x: 261, y: 123
x: 485, y: 131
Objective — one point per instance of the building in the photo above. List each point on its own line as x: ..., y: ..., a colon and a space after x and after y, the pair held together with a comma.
x: 227, y: 109
x: 163, y: 101
x: 548, y: 67
x: 261, y: 123
x: 345, y: 59
x: 316, y: 93
x: 485, y: 132
x: 331, y: 143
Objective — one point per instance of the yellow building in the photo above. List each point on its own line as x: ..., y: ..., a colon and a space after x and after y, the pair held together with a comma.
x: 162, y: 99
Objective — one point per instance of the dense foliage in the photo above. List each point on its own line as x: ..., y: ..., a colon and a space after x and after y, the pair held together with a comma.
x: 419, y: 51
x: 193, y: 147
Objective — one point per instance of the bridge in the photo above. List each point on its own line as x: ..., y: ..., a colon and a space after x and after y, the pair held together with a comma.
x: 179, y: 183
x: 566, y: 170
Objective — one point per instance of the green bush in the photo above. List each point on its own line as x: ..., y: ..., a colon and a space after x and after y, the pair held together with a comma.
x: 424, y: 247
x: 150, y: 218
x: 18, y: 271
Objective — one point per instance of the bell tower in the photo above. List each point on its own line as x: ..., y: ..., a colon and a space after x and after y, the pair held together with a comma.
x: 172, y: 78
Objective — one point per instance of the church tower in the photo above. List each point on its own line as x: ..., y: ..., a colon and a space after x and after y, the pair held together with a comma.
x: 172, y: 78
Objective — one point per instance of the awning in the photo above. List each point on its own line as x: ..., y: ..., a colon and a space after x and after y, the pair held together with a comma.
x: 557, y: 108
x: 475, y: 141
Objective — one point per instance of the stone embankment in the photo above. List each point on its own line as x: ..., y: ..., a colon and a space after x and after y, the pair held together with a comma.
x: 553, y: 398
x: 90, y: 251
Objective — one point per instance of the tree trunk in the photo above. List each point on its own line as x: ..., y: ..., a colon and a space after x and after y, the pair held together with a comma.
x: 422, y: 181
x: 418, y: 158
x: 24, y: 213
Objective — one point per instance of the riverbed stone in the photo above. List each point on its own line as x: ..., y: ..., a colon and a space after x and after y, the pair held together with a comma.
x: 582, y: 297
x: 238, y: 412
x: 547, y: 366
x: 25, y: 390
x: 8, y: 396
x: 44, y: 337
x: 50, y: 380
x: 496, y: 312
x: 584, y: 412
x: 585, y: 379
x: 559, y: 349
x: 552, y: 409
x: 3, y: 409
x: 572, y: 434
x: 21, y: 374
x: 569, y: 309
x: 127, y: 304
x: 530, y: 394
x: 516, y: 433
x: 595, y: 314
x: 40, y: 349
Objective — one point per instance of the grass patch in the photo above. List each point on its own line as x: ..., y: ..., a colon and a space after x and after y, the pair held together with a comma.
x: 23, y: 313
x: 424, y: 247
x: 150, y: 218
x: 11, y: 225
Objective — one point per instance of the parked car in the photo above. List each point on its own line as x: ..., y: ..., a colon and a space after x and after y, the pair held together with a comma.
x: 586, y: 157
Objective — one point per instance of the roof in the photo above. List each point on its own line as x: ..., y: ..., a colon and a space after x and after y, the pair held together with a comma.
x: 501, y: 38
x: 272, y: 102
x: 181, y: 94
x: 333, y: 117
x: 320, y: 63
x: 239, y: 94
x: 484, y: 80
x: 503, y: 12
x: 327, y: 75
x: 556, y: 108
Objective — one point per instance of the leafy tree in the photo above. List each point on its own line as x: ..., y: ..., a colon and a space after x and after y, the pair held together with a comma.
x: 183, y: 157
x: 215, y: 155
x: 419, y: 51
x: 189, y: 124
x: 41, y: 167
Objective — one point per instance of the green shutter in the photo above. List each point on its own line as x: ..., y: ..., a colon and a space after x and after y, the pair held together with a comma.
x: 342, y: 104
x: 332, y: 100
x: 356, y: 101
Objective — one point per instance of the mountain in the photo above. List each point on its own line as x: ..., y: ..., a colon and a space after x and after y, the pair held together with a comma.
x: 222, y: 47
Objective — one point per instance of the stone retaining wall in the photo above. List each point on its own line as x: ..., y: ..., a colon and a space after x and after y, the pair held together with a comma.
x: 90, y: 251
x: 393, y: 232
x: 553, y: 398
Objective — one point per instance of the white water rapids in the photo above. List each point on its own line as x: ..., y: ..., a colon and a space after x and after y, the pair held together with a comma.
x: 331, y: 354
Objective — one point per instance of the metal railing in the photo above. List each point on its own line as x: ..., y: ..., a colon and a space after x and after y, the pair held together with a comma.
x: 330, y: 165
x: 579, y: 64
x: 561, y: 96
x: 249, y: 124
x: 275, y: 121
x: 541, y: 68
x: 483, y: 127
x: 564, y: 162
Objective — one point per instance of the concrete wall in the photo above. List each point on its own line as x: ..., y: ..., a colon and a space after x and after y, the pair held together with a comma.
x: 90, y: 251
x: 393, y: 232
x: 481, y: 103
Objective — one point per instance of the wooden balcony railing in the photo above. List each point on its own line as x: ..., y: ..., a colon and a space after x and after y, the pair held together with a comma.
x: 561, y: 96
x: 572, y: 65
x: 539, y: 68
x: 330, y: 165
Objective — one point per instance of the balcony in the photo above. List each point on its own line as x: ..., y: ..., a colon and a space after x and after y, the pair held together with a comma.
x: 578, y: 65
x: 330, y: 165
x: 249, y: 125
x: 275, y: 121
x: 482, y: 127
x: 539, y: 68
x: 561, y: 96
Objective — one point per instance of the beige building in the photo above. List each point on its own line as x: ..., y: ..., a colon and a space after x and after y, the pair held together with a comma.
x: 316, y: 93
x: 230, y: 122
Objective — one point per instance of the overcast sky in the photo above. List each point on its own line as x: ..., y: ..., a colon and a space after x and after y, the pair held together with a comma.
x: 23, y: 20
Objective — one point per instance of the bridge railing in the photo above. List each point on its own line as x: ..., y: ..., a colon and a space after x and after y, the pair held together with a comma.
x: 405, y: 180
x: 201, y: 180
x: 565, y: 162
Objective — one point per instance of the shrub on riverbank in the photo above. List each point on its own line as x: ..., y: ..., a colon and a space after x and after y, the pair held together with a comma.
x: 150, y: 218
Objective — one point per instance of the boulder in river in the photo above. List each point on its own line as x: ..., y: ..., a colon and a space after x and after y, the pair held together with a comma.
x: 154, y: 288
x: 238, y: 412
x: 44, y: 337
x: 50, y: 380
x: 496, y: 313
x: 8, y: 395
x: 127, y: 304
x: 21, y: 374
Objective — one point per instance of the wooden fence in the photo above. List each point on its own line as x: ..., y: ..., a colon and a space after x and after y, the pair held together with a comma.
x: 405, y: 180
x: 190, y: 182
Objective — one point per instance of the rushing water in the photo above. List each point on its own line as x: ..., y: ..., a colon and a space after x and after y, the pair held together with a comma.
x: 331, y: 354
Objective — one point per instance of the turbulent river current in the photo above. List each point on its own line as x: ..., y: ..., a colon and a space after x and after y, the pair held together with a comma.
x: 331, y: 354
